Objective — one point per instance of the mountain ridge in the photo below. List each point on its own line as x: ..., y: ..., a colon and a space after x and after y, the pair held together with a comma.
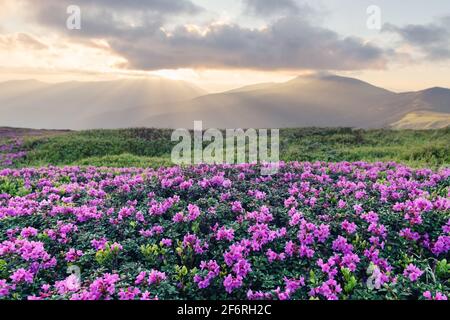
x: 324, y: 100
x: 83, y: 105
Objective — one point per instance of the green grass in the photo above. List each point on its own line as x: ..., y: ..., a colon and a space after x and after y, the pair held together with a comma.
x: 125, y: 160
x: 416, y: 148
x: 77, y: 146
x: 152, y: 147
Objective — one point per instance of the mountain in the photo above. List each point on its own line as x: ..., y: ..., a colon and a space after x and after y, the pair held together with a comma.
x: 315, y: 100
x: 85, y: 105
x: 433, y: 99
x: 426, y: 109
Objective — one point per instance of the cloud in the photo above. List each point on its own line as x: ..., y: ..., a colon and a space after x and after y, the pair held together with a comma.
x: 160, y: 6
x: 136, y: 32
x: 288, y: 43
x: 271, y: 7
x: 102, y: 18
x: 21, y: 40
x: 432, y: 39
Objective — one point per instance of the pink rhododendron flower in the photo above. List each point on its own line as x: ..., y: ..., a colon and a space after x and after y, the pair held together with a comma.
x: 412, y: 272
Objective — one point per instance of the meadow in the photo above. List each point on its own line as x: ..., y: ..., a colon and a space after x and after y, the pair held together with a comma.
x: 152, y: 147
x: 351, y: 214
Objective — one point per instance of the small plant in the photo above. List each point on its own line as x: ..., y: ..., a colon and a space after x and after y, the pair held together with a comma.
x: 108, y: 255
x: 350, y: 280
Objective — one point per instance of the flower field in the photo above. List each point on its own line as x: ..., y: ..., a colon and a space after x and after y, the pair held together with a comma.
x: 11, y: 152
x: 312, y: 231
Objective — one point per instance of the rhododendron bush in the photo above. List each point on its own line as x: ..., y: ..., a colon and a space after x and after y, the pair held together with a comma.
x: 10, y: 152
x: 311, y: 231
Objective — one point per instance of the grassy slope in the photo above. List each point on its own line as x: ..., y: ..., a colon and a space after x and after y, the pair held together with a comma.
x: 423, y: 119
x: 151, y: 147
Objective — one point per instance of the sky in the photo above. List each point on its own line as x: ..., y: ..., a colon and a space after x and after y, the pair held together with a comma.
x: 221, y: 45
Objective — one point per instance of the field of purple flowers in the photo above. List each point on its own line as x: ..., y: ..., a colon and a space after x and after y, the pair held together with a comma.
x: 312, y: 231
x: 11, y: 152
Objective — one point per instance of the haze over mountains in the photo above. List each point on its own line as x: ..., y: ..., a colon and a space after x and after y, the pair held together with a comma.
x: 86, y: 105
x: 318, y: 100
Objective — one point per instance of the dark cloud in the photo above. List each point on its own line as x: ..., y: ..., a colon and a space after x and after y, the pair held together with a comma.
x: 160, y: 6
x: 289, y: 43
x: 167, y: 6
x: 102, y: 18
x: 433, y: 39
x: 271, y: 7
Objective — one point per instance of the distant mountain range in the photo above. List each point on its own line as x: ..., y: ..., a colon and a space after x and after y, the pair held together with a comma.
x: 86, y: 105
x: 317, y: 100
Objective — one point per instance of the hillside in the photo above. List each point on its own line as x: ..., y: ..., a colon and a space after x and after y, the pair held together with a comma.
x: 84, y: 105
x: 327, y: 101
x: 424, y: 120
x: 322, y: 101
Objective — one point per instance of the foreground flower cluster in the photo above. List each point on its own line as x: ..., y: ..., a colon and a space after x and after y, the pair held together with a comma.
x: 312, y: 231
